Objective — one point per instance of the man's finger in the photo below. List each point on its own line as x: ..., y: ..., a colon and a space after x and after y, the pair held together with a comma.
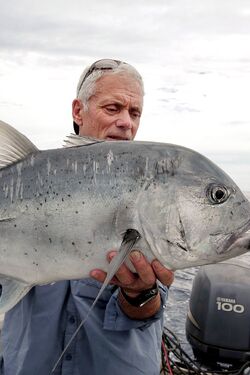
x: 165, y: 276
x: 142, y: 267
x: 100, y: 276
x: 123, y: 274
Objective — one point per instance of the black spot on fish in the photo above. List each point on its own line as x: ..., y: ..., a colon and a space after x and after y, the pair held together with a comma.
x: 46, y: 225
x: 25, y: 253
x: 181, y: 247
x: 83, y: 202
x: 169, y: 242
x: 50, y: 240
x: 69, y: 195
x: 89, y: 242
x: 73, y: 243
x: 76, y: 212
x: 182, y: 233
x: 248, y: 247
x: 131, y: 234
x: 79, y: 182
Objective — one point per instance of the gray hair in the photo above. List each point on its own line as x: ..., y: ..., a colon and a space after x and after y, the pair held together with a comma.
x: 86, y: 87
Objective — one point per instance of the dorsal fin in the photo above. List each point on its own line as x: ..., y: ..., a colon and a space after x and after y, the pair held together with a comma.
x: 74, y: 140
x: 14, y: 145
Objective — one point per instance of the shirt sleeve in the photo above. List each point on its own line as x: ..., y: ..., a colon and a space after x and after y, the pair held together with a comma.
x: 116, y: 320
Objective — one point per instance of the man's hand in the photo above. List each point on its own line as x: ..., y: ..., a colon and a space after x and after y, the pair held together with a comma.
x: 144, y: 278
x: 134, y: 283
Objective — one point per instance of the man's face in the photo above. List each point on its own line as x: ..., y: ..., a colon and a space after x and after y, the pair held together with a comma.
x: 114, y: 110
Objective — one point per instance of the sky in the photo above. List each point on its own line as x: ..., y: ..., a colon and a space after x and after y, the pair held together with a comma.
x: 194, y: 57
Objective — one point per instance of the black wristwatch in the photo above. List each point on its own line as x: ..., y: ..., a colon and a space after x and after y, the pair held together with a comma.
x: 144, y: 297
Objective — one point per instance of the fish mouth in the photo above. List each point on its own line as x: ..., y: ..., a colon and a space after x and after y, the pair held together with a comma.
x: 243, y: 233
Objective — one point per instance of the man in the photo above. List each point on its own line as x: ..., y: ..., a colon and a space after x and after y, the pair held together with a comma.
x: 123, y: 333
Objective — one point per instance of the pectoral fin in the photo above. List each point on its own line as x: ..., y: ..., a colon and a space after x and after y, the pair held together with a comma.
x: 130, y: 238
x: 12, y: 291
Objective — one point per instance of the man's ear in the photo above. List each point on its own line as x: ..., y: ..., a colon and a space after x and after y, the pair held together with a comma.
x: 77, y: 108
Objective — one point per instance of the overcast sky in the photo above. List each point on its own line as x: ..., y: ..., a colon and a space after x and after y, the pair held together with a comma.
x: 194, y: 56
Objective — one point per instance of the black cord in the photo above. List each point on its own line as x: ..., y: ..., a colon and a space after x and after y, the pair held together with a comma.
x: 182, y: 364
x: 173, y: 345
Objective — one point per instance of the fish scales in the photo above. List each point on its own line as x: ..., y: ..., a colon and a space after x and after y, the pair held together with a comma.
x: 63, y: 209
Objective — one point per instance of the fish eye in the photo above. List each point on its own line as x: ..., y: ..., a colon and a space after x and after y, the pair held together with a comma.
x: 217, y: 193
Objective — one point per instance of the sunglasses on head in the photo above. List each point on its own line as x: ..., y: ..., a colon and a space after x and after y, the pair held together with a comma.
x: 103, y: 64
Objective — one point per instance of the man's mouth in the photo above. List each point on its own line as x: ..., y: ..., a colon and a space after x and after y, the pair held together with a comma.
x: 117, y: 138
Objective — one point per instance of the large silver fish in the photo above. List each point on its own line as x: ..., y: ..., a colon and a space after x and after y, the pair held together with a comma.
x: 61, y: 210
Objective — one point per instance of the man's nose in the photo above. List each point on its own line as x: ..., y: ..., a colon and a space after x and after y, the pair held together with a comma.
x: 124, y: 120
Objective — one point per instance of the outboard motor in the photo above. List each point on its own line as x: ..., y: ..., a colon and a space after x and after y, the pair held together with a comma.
x: 218, y: 321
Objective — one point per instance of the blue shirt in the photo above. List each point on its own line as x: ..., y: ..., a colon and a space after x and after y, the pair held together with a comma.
x: 37, y: 329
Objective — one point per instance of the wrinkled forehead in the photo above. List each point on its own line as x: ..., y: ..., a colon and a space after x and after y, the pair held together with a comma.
x: 120, y: 86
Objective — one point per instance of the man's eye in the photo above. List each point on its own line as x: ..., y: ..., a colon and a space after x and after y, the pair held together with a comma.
x: 111, y: 108
x: 136, y: 114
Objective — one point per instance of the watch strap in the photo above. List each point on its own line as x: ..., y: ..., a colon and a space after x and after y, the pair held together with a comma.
x: 144, y: 297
